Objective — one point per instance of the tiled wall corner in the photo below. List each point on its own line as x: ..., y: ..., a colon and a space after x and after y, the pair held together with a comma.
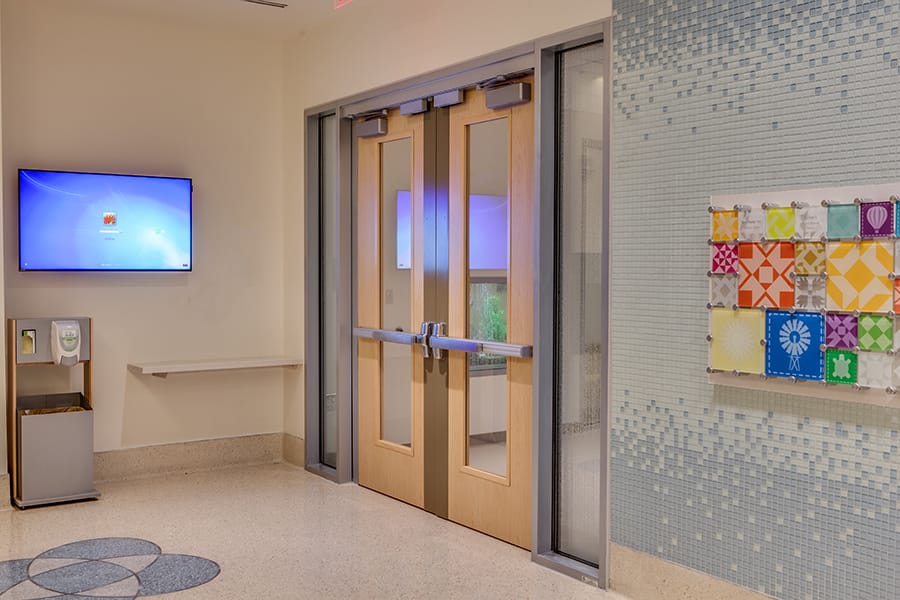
x: 797, y: 498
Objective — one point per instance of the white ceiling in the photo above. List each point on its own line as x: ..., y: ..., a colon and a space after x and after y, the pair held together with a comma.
x: 299, y: 16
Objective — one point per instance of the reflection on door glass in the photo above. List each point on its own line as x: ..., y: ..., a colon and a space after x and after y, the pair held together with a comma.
x: 488, y: 263
x: 396, y: 282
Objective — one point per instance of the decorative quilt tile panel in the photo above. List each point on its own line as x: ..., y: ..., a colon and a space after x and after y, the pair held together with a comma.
x: 736, y: 340
x: 876, y: 219
x: 809, y: 292
x: 843, y: 221
x: 765, y: 275
x: 876, y: 332
x: 725, y: 258
x: 858, y: 276
x: 875, y: 369
x: 812, y: 222
x: 840, y: 366
x: 794, y: 345
x: 723, y: 290
x: 841, y: 330
x: 780, y: 223
x: 809, y: 258
x: 751, y: 225
x: 724, y: 226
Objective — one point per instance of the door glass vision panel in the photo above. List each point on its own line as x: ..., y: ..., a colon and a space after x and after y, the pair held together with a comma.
x: 488, y: 264
x: 580, y: 310
x: 396, y: 296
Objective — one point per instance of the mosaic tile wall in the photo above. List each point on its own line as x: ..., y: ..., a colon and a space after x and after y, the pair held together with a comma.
x: 795, y: 497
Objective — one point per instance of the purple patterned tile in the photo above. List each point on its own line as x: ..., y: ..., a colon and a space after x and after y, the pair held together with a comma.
x: 841, y: 331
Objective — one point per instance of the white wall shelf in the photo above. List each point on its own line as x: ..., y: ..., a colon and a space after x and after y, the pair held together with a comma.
x: 163, y: 369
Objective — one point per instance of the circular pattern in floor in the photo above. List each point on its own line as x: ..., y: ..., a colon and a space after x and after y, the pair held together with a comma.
x: 109, y: 568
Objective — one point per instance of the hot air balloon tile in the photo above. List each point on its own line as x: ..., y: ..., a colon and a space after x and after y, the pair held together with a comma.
x: 794, y: 344
x: 876, y: 219
x: 841, y: 366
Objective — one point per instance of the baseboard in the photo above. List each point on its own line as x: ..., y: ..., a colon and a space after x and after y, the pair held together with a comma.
x: 187, y: 457
x: 640, y: 576
x: 5, y: 492
x: 294, y: 450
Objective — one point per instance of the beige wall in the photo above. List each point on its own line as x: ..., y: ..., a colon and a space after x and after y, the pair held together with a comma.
x: 375, y: 43
x: 85, y: 90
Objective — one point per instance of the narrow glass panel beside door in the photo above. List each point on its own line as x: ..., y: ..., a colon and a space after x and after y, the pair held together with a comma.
x: 580, y: 309
x: 396, y: 281
x: 328, y: 300
x: 488, y: 264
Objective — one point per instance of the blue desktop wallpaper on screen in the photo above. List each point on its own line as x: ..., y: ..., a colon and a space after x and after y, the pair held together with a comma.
x: 73, y: 221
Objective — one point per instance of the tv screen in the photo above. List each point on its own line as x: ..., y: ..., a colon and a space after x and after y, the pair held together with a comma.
x: 99, y: 222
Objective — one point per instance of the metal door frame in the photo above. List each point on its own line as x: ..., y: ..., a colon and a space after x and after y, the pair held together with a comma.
x: 539, y: 56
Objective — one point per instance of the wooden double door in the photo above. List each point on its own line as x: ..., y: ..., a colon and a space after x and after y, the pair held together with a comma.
x: 444, y: 289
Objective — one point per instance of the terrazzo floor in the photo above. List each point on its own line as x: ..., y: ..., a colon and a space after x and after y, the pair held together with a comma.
x: 276, y: 531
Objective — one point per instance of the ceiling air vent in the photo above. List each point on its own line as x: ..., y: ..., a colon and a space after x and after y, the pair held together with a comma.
x: 267, y: 3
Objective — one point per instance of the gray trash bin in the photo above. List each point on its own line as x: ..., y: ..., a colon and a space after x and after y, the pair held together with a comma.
x: 56, y: 449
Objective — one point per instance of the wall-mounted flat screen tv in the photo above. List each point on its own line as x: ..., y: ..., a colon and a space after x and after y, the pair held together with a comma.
x: 100, y: 222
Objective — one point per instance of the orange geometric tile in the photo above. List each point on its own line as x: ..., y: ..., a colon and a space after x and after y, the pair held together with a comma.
x: 764, y: 275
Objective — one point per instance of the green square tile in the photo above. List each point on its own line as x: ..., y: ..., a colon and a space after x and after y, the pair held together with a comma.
x: 876, y: 332
x: 840, y: 366
x: 843, y: 221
